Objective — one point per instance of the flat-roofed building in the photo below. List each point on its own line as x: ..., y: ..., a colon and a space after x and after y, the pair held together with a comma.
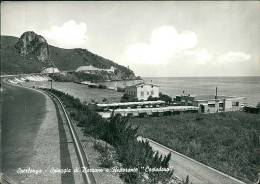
x: 212, y: 103
x: 142, y: 91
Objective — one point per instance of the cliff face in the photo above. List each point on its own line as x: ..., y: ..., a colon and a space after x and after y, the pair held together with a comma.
x: 31, y: 43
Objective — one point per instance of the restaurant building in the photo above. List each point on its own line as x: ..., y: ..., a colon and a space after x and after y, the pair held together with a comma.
x: 142, y: 91
x: 212, y: 103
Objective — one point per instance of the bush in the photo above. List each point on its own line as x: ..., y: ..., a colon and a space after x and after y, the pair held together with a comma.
x: 258, y: 107
x: 165, y: 98
x: 119, y: 89
x: 102, y: 86
x: 92, y: 86
x: 119, y: 133
x: 150, y: 98
x: 253, y: 110
x: 107, y: 156
x: 199, y: 118
x: 127, y: 98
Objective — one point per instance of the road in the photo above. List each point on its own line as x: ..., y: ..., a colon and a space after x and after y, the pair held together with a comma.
x: 22, y: 115
x: 198, y: 173
x: 32, y: 136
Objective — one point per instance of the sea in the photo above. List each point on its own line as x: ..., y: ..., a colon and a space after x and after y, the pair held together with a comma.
x: 248, y: 87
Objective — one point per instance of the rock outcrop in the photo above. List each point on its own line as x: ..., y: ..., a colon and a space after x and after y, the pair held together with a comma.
x: 32, y: 44
x: 32, y: 54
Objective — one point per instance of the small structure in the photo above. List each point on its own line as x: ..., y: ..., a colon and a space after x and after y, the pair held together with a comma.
x: 142, y: 109
x: 212, y: 103
x: 50, y: 70
x: 92, y: 69
x: 142, y: 91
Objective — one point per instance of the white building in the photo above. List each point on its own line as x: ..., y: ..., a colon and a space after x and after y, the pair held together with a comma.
x: 142, y: 90
x: 50, y: 70
x: 212, y: 103
x: 91, y: 68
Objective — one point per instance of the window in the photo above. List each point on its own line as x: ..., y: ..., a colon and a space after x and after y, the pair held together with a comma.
x: 141, y: 86
x: 142, y: 93
x: 221, y: 105
x: 134, y: 93
x: 235, y: 103
x: 152, y: 93
x: 211, y: 105
x: 147, y: 93
x: 152, y: 86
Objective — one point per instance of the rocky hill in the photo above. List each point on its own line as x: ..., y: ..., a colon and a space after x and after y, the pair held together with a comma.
x: 31, y: 43
x: 31, y: 53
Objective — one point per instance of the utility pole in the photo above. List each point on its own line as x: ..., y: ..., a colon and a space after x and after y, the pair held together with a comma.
x: 52, y: 74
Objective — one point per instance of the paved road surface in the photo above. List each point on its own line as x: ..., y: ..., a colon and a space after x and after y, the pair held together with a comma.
x: 22, y: 114
x: 198, y: 174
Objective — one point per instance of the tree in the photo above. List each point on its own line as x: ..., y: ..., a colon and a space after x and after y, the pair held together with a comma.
x: 165, y: 98
x: 187, y: 181
x: 258, y: 107
x: 150, y: 98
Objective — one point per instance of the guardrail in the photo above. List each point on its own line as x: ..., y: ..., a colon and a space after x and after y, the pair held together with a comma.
x: 87, y: 176
x: 5, y: 179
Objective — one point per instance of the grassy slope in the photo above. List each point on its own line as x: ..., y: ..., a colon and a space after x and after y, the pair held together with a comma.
x: 64, y: 59
x: 12, y: 62
x: 83, y: 92
x: 226, y: 141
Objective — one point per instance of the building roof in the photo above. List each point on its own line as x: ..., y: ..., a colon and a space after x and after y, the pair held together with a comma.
x: 143, y: 84
x: 212, y: 97
x: 132, y: 103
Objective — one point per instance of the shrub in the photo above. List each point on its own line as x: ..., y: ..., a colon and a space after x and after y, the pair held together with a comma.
x: 119, y: 133
x: 92, y: 86
x: 102, y: 86
x: 258, y: 107
x: 165, y: 98
x: 199, y: 118
x: 106, y: 157
x: 150, y: 98
x: 119, y: 89
x: 127, y: 98
x: 104, y: 100
x: 253, y: 110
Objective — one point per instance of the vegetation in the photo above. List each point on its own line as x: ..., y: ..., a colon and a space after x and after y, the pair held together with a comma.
x: 128, y: 98
x: 119, y: 89
x: 225, y: 141
x: 122, y: 136
x: 64, y: 59
x: 253, y: 110
x: 108, y: 154
x: 258, y: 107
x: 83, y: 92
x: 101, y: 86
x: 13, y: 63
x: 162, y: 97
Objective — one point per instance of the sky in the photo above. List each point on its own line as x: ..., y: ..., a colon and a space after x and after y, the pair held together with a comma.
x: 153, y: 38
